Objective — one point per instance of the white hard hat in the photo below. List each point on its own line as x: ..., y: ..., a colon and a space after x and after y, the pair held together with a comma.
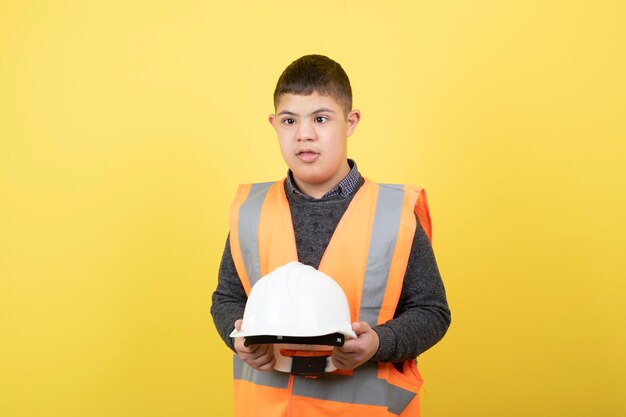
x: 298, y: 308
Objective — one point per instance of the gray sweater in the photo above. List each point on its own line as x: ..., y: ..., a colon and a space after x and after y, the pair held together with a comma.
x: 421, y: 318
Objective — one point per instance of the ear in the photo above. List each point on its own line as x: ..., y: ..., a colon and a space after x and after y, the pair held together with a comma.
x: 353, y: 119
x: 271, y: 119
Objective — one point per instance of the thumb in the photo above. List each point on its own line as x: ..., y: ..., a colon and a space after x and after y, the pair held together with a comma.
x: 361, y: 327
x: 238, y: 325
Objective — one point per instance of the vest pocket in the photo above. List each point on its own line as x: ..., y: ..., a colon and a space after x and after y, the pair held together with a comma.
x: 409, y: 375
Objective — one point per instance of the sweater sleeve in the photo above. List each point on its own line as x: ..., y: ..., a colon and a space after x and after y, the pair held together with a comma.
x: 229, y: 298
x: 422, y: 316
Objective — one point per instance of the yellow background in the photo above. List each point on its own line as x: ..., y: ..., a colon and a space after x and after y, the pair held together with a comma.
x: 126, y: 125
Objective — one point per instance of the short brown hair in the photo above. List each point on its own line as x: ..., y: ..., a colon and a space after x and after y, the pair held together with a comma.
x: 315, y: 73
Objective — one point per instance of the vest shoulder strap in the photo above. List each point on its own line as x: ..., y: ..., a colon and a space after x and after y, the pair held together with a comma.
x: 421, y: 206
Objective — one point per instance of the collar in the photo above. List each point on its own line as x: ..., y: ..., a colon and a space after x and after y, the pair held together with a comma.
x: 345, y: 188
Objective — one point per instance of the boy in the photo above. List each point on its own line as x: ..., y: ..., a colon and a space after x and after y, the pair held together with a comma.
x: 372, y: 239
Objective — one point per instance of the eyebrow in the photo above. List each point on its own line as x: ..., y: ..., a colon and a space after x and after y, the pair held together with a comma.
x: 321, y: 110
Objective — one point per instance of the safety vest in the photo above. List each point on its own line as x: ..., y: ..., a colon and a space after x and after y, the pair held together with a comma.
x: 367, y: 255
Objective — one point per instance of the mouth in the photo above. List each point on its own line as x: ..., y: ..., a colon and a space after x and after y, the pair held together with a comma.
x: 307, y: 155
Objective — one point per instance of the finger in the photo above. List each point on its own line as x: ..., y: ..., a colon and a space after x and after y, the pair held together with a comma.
x: 352, y: 358
x: 238, y: 344
x: 267, y: 364
x: 361, y: 327
x: 350, y: 346
x: 344, y: 357
x: 240, y: 347
x: 339, y: 362
x: 259, y: 352
x: 264, y: 358
x: 267, y: 367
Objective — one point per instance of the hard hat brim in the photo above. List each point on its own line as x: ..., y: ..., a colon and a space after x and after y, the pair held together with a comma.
x: 348, y: 333
x: 334, y: 339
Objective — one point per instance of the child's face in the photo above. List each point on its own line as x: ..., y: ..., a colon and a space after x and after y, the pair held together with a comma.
x: 312, y: 133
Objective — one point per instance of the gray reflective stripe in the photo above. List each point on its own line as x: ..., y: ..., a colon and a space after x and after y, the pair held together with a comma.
x: 272, y: 379
x: 398, y: 399
x: 396, y: 186
x: 382, y: 245
x: 363, y: 387
x: 248, y: 222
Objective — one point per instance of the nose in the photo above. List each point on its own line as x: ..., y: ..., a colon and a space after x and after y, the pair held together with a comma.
x: 306, y: 132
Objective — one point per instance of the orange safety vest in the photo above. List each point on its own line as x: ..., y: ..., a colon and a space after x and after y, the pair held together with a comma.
x: 367, y: 255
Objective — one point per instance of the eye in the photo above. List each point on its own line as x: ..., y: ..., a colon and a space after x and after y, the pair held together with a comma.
x: 321, y: 119
x: 288, y: 121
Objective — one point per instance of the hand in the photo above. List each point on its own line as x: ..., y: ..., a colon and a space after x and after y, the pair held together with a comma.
x: 356, y: 352
x: 259, y: 357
